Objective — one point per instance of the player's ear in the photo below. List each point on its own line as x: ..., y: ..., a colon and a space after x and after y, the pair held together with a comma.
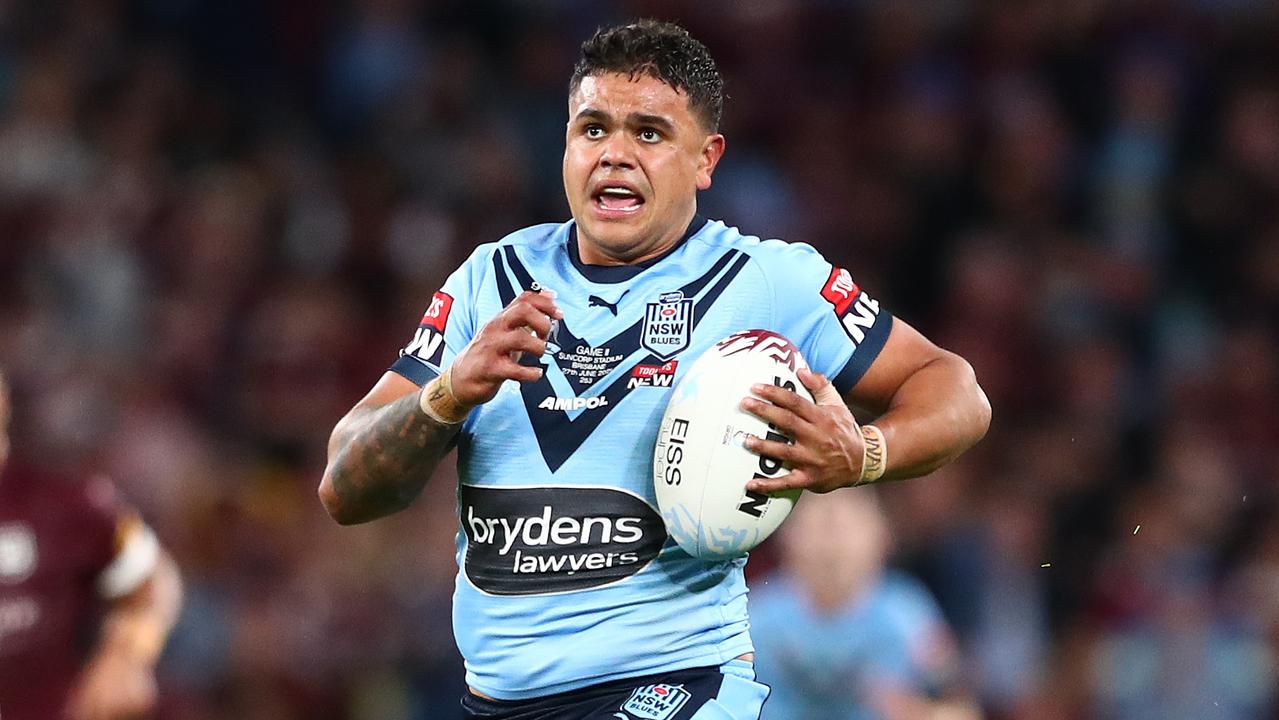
x: 712, y: 151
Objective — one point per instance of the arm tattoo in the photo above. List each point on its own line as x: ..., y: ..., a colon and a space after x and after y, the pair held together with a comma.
x: 386, y: 456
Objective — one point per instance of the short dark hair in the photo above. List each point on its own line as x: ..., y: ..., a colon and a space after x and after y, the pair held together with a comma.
x: 661, y: 50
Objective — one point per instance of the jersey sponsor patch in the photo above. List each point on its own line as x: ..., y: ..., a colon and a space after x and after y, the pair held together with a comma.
x: 427, y: 344
x: 541, y: 540
x: 552, y: 402
x: 668, y: 325
x: 653, y: 375
x: 656, y: 702
x: 857, y: 311
x: 840, y: 290
x: 437, y: 315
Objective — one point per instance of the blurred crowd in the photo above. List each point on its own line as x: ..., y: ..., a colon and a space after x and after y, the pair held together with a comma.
x: 220, y: 219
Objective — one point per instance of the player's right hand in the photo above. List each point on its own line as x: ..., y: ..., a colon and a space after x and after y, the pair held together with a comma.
x: 492, y: 356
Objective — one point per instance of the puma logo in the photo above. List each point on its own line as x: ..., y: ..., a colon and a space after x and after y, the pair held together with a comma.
x: 597, y: 301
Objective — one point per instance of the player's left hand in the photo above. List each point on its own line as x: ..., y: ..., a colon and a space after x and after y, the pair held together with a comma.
x: 113, y: 687
x: 827, y: 453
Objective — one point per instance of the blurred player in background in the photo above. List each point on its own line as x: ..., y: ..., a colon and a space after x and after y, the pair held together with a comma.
x: 87, y: 597
x: 839, y: 636
x: 547, y: 359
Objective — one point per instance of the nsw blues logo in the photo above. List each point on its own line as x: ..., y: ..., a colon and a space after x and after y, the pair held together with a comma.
x: 656, y: 702
x: 668, y: 325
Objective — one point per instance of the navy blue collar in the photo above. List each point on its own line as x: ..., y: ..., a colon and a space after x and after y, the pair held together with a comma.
x: 622, y: 273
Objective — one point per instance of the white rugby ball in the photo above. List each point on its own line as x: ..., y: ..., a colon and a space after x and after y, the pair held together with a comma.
x: 700, y: 464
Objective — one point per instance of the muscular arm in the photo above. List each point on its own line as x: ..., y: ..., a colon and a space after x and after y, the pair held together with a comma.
x: 928, y: 403
x: 119, y: 680
x: 928, y: 406
x: 382, y: 453
x: 387, y: 447
x: 139, y: 623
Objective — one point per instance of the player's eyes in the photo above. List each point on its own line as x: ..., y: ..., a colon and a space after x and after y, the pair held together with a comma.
x: 650, y: 135
x: 594, y: 132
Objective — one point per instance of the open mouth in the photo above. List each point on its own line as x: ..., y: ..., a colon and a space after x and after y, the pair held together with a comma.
x: 618, y: 199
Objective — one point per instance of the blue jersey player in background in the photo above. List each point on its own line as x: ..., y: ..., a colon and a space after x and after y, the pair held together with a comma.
x: 547, y: 358
x: 840, y: 636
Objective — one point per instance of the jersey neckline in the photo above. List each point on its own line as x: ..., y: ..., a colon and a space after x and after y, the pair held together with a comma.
x: 622, y: 273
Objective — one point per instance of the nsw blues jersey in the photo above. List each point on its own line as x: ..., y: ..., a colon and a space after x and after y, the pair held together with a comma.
x: 566, y: 575
x: 829, y: 666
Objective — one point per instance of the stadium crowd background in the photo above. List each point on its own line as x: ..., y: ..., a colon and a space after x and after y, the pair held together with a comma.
x: 220, y: 219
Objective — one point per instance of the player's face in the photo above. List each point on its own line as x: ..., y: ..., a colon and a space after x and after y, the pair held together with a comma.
x: 634, y: 158
x: 830, y: 569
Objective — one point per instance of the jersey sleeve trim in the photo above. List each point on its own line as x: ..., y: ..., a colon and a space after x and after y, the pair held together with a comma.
x: 414, y: 370
x: 134, y: 563
x: 864, y: 356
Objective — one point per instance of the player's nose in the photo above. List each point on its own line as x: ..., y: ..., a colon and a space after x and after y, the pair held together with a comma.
x: 617, y: 152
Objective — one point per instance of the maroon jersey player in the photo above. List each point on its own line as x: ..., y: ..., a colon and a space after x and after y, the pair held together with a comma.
x: 87, y: 598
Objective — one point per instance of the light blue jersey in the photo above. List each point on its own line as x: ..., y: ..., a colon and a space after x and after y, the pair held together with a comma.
x: 566, y: 575
x: 829, y: 666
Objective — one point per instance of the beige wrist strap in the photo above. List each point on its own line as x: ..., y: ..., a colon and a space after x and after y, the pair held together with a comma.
x: 439, y: 403
x: 874, y: 455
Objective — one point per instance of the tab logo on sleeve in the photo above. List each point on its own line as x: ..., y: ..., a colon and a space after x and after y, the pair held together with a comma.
x: 428, y: 342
